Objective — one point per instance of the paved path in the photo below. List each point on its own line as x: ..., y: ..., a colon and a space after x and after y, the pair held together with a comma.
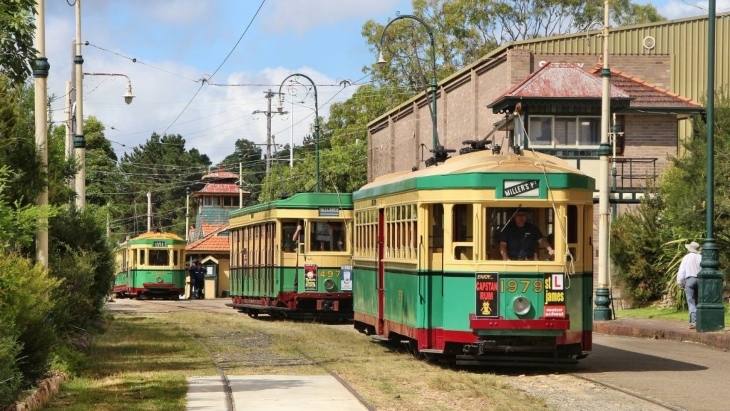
x: 272, y: 393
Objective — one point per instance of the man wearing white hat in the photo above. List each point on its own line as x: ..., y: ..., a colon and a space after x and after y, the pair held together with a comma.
x: 687, y: 279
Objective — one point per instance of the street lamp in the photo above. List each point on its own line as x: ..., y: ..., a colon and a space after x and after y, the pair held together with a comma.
x: 440, y: 154
x: 316, y: 124
x: 79, y: 140
x: 128, y: 96
x: 710, y: 308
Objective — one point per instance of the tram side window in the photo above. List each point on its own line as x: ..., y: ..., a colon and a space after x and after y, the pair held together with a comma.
x: 288, y: 243
x: 463, y: 231
x: 436, y: 233
x: 507, y: 225
x: 142, y: 259
x: 572, y: 229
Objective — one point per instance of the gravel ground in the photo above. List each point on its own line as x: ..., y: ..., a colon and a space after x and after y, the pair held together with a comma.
x: 569, y: 393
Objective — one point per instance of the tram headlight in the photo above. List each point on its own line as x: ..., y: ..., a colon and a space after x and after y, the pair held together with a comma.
x: 521, y: 305
x: 329, y: 285
x: 159, y: 279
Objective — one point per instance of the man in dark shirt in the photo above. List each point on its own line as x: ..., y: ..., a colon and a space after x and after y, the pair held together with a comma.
x: 517, y: 240
x: 199, y: 280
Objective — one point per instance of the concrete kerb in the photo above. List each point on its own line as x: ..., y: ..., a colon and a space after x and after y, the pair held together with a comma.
x: 662, y: 329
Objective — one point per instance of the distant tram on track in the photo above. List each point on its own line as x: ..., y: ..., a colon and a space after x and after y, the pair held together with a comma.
x: 151, y: 265
x: 292, y: 258
x: 429, y: 269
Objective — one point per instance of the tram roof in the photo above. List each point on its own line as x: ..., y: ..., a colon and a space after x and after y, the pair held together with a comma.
x: 481, y: 169
x: 302, y: 201
x: 153, y: 235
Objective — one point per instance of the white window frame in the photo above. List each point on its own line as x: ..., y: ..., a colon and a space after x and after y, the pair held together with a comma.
x: 553, y: 143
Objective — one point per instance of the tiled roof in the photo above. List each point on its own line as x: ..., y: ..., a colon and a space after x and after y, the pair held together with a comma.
x: 560, y: 80
x: 221, y: 175
x: 644, y: 94
x: 218, y: 188
x: 217, y: 241
x: 210, y: 227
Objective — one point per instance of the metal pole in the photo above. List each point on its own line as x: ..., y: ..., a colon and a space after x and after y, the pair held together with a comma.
x: 187, y: 213
x: 316, y: 126
x: 40, y: 73
x: 79, y: 140
x: 602, y: 311
x: 436, y: 149
x: 149, y: 211
x: 268, y: 133
x: 710, y: 309
x: 291, y: 137
x: 240, y: 180
x: 69, y: 142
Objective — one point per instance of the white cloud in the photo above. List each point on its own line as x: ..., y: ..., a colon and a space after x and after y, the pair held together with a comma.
x: 212, y: 121
x: 679, y: 9
x: 301, y: 16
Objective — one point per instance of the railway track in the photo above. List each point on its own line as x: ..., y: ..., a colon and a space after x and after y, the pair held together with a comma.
x: 569, y: 391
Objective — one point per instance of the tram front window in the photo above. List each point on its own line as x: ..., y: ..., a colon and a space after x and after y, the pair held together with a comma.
x: 328, y: 236
x: 519, y: 233
x: 159, y: 258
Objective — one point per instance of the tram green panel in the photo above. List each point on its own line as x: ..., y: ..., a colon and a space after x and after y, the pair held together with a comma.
x: 433, y: 307
x: 323, y: 275
x: 459, y: 299
x: 365, y: 296
x: 137, y: 278
x: 404, y: 296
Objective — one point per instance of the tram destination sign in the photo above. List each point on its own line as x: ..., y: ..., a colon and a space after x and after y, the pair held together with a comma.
x: 329, y: 212
x: 521, y: 188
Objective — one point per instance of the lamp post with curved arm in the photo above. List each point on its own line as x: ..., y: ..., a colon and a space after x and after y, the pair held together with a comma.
x: 439, y: 153
x: 79, y: 142
x: 316, y: 124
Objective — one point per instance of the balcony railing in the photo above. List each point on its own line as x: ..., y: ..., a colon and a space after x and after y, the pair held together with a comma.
x: 633, y: 173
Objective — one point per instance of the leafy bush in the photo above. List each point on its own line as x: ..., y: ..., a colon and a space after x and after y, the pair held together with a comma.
x: 636, y: 238
x: 25, y: 309
x: 10, y: 376
x: 82, y: 258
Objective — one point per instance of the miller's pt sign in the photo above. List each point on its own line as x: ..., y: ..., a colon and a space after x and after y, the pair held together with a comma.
x: 521, y: 188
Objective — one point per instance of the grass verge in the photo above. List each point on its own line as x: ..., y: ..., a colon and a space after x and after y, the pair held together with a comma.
x: 662, y: 313
x: 142, y: 362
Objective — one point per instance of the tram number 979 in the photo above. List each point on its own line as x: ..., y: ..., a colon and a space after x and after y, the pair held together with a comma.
x: 523, y: 285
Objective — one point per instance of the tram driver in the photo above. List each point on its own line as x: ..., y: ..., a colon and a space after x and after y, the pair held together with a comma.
x: 518, y: 238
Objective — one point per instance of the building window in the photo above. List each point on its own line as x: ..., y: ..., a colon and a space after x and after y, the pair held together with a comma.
x: 564, y: 131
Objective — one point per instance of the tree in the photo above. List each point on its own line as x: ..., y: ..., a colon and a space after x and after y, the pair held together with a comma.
x: 17, y: 29
x: 254, y: 168
x: 163, y: 167
x: 102, y: 178
x: 647, y: 244
x: 17, y: 146
x: 466, y: 30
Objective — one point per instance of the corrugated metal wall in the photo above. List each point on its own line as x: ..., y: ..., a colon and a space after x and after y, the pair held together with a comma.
x: 684, y: 40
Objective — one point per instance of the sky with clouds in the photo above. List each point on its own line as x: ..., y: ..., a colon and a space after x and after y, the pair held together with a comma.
x: 240, y: 47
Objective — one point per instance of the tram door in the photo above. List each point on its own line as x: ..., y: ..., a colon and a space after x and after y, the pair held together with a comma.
x: 381, y: 271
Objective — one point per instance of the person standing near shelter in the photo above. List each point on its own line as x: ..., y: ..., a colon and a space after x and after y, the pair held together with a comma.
x: 199, y: 280
x: 687, y: 279
x: 518, y: 238
x: 191, y: 274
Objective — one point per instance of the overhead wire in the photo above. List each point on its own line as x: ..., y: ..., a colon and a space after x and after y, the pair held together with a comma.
x: 202, y: 83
